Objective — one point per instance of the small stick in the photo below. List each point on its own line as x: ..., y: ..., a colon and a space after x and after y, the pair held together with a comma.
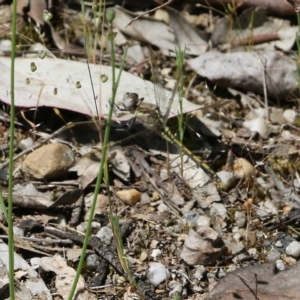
x: 149, y: 11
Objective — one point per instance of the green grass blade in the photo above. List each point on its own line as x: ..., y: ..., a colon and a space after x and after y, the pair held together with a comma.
x: 11, y: 272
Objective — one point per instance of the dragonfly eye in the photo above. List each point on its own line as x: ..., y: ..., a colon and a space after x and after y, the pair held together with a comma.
x: 130, y: 100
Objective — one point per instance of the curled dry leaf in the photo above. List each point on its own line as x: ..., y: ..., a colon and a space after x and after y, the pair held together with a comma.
x: 203, y: 246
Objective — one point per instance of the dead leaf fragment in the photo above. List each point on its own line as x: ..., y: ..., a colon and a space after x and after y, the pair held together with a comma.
x: 203, y: 246
x: 32, y: 287
x: 247, y: 70
x: 268, y: 283
x: 28, y: 196
x: 64, y: 277
x: 188, y: 36
x: 34, y: 9
x: 146, y: 29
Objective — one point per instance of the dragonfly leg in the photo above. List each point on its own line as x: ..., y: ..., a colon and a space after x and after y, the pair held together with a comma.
x: 125, y: 126
x: 117, y: 109
x: 131, y: 122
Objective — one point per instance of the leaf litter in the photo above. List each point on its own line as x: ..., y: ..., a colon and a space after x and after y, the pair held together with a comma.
x: 171, y: 223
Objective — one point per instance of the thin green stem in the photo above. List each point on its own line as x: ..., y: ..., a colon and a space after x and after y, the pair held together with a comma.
x: 102, y: 165
x: 113, y: 218
x: 11, y: 154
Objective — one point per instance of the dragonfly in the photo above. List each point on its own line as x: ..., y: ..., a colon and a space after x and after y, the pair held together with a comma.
x: 153, y: 119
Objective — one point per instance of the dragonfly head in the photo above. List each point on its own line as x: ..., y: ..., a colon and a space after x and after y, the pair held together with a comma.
x: 131, y: 101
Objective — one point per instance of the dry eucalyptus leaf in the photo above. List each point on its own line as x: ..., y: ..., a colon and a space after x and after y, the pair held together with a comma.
x: 266, y: 280
x: 66, y: 84
x: 146, y: 29
x: 278, y: 7
x: 68, y: 198
x: 247, y: 70
x: 265, y: 33
x: 188, y: 36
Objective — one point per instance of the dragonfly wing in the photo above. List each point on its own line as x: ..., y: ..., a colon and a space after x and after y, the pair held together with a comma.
x: 161, y: 101
x: 174, y: 91
x: 160, y: 95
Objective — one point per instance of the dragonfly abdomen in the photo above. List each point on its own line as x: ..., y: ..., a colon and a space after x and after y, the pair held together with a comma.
x: 158, y: 125
x: 167, y: 135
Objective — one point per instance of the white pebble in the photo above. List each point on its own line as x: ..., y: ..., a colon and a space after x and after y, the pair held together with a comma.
x: 35, y: 262
x: 156, y: 253
x: 162, y: 208
x: 18, y: 231
x: 252, y: 252
x: 200, y: 272
x: 203, y: 221
x: 157, y: 273
x: 258, y: 125
x: 5, y: 45
x: 290, y: 115
x: 237, y: 237
x: 105, y: 234
x: 227, y: 178
x: 61, y: 221
x: 280, y: 265
x: 26, y: 143
x: 218, y: 209
x: 293, y: 249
